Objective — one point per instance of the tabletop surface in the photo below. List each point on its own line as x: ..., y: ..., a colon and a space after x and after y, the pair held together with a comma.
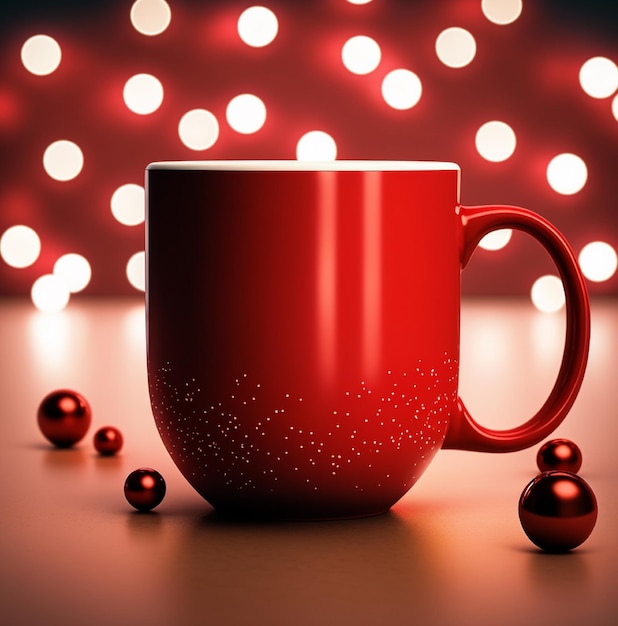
x: 452, y: 551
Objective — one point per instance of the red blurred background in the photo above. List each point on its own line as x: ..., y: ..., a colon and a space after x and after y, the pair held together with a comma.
x: 524, y: 73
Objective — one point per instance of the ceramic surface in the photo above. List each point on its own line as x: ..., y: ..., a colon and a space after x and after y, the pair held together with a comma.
x: 303, y: 329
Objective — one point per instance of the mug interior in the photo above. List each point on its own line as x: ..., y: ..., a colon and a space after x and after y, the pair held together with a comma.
x: 307, y: 166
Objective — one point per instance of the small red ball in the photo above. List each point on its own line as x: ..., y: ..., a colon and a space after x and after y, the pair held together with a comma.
x: 144, y: 489
x: 559, y: 454
x: 108, y: 440
x: 64, y: 417
x: 558, y: 511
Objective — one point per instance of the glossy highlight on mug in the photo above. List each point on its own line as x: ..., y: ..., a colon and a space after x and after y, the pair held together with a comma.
x: 372, y: 269
x: 327, y: 270
x: 326, y: 274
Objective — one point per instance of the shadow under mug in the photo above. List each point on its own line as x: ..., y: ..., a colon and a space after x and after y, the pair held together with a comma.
x: 303, y: 329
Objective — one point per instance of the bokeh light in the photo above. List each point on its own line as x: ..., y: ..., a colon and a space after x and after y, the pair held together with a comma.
x: 401, y: 89
x: 143, y: 94
x: 74, y: 270
x: 501, y: 11
x: 567, y: 174
x: 150, y: 17
x: 128, y: 204
x: 246, y: 113
x: 41, y: 55
x: 20, y: 246
x: 134, y: 326
x: 136, y: 271
x: 50, y: 294
x: 198, y: 129
x: 257, y: 26
x: 598, y: 77
x: 316, y: 145
x: 547, y: 294
x: 495, y: 141
x: 455, y: 47
x: 42, y: 87
x: 361, y: 54
x: 496, y: 240
x: 598, y: 261
x: 63, y: 160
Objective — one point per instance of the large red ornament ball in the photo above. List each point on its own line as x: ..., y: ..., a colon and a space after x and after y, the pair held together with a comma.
x: 144, y: 489
x: 559, y: 454
x: 64, y: 417
x: 558, y: 511
x: 108, y: 440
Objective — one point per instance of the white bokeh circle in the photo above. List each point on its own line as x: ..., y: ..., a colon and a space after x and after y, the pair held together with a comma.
x: 246, y: 113
x: 198, y: 129
x: 128, y: 204
x: 401, y: 89
x: 136, y: 271
x: 502, y: 11
x: 316, y: 145
x: 547, y: 294
x: 567, y: 173
x: 495, y: 141
x: 361, y: 54
x: 41, y: 55
x: 598, y: 261
x: 143, y: 94
x: 257, y: 26
x: 150, y: 17
x: 20, y: 246
x: 598, y: 77
x: 50, y: 294
x: 496, y: 239
x: 63, y: 160
x: 74, y: 270
x: 456, y: 47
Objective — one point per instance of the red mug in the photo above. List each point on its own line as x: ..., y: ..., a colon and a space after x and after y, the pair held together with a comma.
x: 303, y: 329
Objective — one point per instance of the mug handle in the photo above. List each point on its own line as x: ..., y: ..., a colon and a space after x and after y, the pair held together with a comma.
x: 463, y: 432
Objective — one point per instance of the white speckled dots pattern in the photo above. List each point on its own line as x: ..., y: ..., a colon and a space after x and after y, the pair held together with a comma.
x: 274, y: 443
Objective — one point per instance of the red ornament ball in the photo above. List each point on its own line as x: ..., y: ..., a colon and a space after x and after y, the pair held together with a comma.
x: 64, y: 417
x: 108, y: 440
x: 559, y: 454
x: 558, y: 511
x: 144, y: 489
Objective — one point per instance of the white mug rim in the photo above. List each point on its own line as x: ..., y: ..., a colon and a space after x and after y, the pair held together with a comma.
x: 306, y: 166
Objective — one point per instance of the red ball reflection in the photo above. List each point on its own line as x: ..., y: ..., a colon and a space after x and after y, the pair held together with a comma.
x: 64, y: 417
x: 144, y: 489
x: 559, y: 454
x: 558, y: 511
x: 108, y: 440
